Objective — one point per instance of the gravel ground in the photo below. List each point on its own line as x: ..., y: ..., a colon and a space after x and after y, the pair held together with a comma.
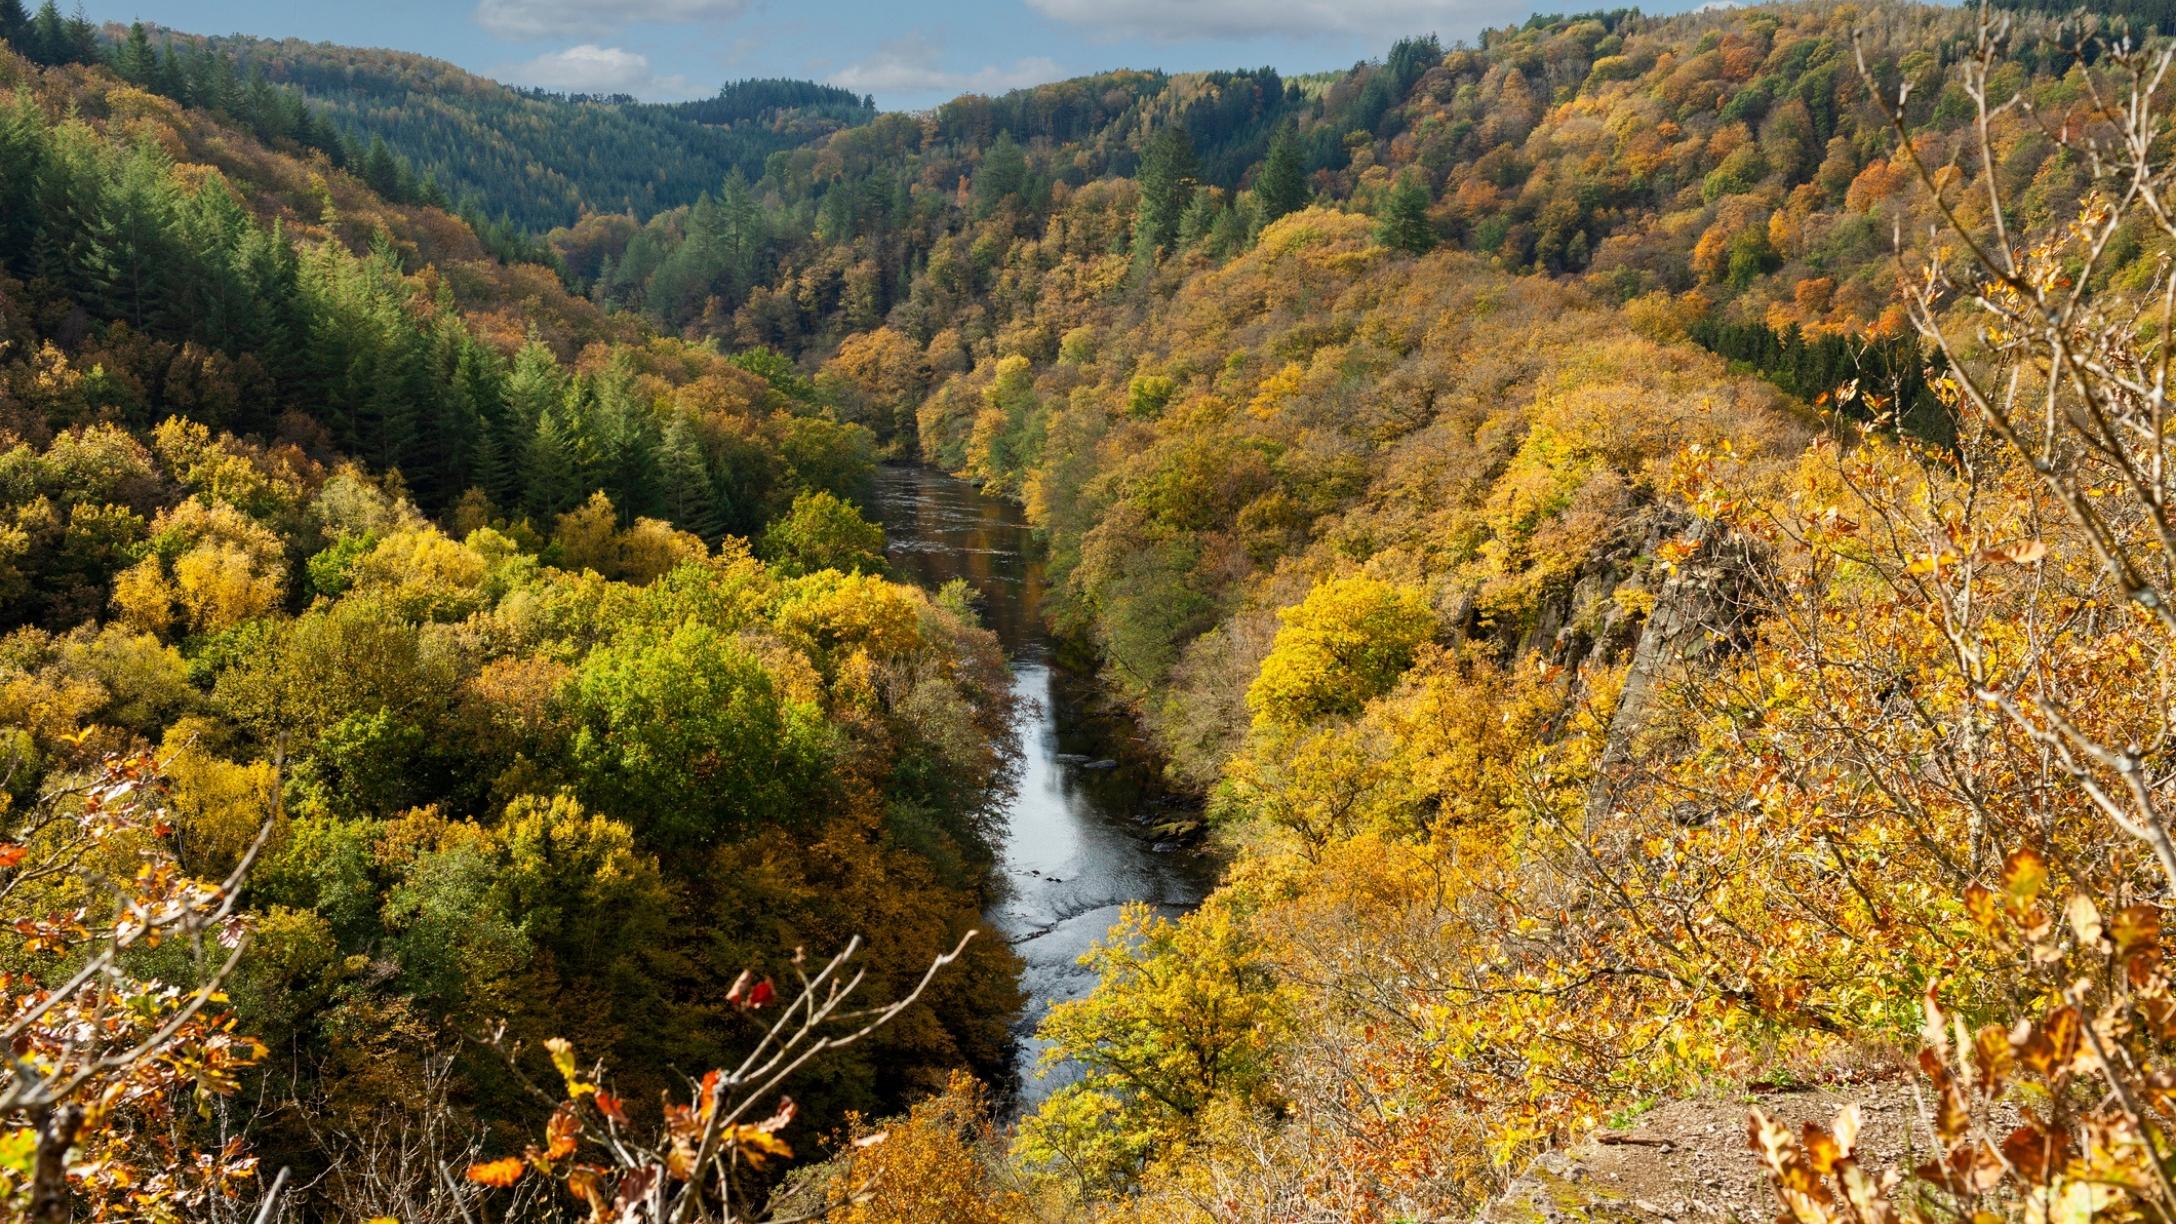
x: 1688, y: 1160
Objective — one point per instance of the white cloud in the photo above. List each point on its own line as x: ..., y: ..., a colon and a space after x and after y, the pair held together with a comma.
x: 547, y: 18
x: 589, y: 68
x: 910, y: 66
x: 1175, y: 19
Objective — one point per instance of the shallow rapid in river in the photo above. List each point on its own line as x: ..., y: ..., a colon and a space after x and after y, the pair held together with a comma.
x: 1074, y: 851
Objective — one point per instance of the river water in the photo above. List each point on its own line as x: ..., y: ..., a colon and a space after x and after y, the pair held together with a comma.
x: 1074, y: 852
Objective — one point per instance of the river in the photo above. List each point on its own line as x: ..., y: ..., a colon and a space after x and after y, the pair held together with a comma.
x: 1074, y: 852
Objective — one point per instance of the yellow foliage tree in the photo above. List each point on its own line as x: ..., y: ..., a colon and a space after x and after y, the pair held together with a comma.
x: 942, y: 1161
x: 1349, y: 640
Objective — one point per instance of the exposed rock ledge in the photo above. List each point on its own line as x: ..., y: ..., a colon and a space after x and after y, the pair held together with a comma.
x: 1688, y: 1160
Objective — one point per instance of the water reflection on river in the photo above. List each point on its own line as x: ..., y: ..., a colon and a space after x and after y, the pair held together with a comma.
x: 1073, y: 852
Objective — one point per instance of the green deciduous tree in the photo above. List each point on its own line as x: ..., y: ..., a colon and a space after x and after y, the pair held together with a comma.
x: 689, y: 737
x: 822, y: 532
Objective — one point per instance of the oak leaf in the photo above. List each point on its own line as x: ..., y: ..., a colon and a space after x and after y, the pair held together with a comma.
x: 499, y: 1173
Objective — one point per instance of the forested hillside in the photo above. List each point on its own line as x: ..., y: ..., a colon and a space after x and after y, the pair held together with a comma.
x: 514, y: 162
x: 540, y: 159
x: 1584, y: 738
x: 1648, y: 538
x: 1728, y: 157
x: 412, y: 573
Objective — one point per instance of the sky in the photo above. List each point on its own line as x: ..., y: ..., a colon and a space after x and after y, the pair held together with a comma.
x: 909, y: 55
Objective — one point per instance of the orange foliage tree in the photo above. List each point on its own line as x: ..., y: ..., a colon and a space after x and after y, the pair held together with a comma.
x: 111, y: 1009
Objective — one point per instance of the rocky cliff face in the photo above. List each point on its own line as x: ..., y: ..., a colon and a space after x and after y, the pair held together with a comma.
x: 1700, y: 611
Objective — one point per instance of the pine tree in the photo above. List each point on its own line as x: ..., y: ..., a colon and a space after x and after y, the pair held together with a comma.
x: 744, y: 239
x: 548, y: 473
x: 533, y: 387
x: 167, y: 79
x: 219, y: 90
x: 299, y: 124
x: 495, y: 461
x: 381, y: 170
x: 1199, y: 220
x: 1281, y: 188
x: 1002, y: 176
x: 22, y: 163
x: 1167, y: 187
x: 132, y: 244
x: 835, y: 216
x: 384, y: 391
x: 261, y: 106
x: 14, y: 23
x: 511, y: 411
x: 627, y: 440
x: 691, y: 500
x: 1403, y: 221
x: 1229, y: 235
x: 201, y: 294
x: 68, y: 253
x: 437, y: 448
x: 481, y: 380
x: 137, y: 61
x: 48, y: 37
x: 272, y: 315
x: 82, y: 38
x: 583, y: 437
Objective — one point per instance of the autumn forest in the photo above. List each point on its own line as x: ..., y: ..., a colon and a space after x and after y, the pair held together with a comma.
x: 1638, y: 554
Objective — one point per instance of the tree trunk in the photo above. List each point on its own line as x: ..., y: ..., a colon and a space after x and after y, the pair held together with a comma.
x: 50, y: 1202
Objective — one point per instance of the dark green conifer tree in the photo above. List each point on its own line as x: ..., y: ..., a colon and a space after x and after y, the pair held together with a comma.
x: 82, y: 35
x: 627, y: 440
x: 585, y: 438
x: 1282, y: 186
x: 137, y: 60
x: 1229, y: 235
x: 14, y: 23
x: 131, y: 247
x: 691, y: 499
x: 203, y: 295
x: 1167, y: 188
x: 381, y: 170
x: 47, y: 40
x: 262, y: 107
x: 271, y: 315
x: 1002, y: 176
x: 1199, y: 220
x: 169, y: 79
x: 22, y: 163
x: 744, y: 238
x: 1402, y: 222
x: 551, y: 485
x: 480, y: 377
x: 67, y: 253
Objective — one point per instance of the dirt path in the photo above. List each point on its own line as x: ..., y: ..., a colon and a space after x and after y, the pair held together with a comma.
x: 1688, y: 1160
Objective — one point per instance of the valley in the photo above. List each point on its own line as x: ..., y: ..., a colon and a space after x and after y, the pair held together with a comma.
x: 1575, y: 611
